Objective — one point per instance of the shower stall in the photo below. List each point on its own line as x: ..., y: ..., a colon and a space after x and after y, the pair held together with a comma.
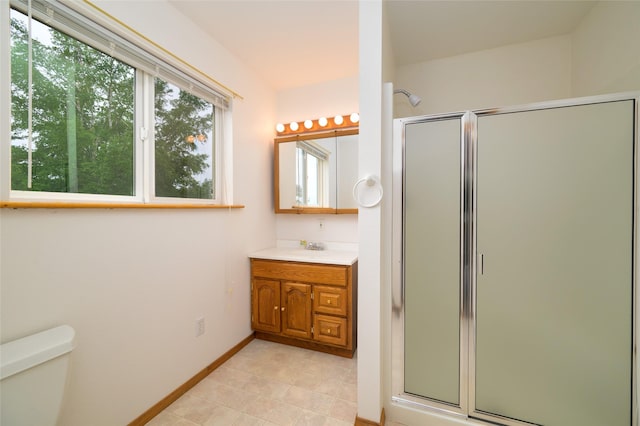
x: 513, y: 299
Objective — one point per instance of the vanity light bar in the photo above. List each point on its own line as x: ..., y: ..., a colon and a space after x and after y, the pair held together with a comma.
x: 321, y: 124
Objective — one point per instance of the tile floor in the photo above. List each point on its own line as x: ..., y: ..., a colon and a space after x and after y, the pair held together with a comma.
x: 270, y: 384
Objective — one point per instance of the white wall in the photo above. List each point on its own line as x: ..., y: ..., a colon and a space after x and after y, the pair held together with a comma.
x: 606, y: 49
x: 133, y: 282
x: 370, y: 219
x: 539, y: 70
x: 326, y: 99
x: 602, y: 55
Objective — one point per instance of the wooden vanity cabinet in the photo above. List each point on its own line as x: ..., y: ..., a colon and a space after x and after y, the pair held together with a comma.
x: 305, y: 304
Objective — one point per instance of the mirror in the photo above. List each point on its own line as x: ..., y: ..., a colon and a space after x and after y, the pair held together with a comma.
x: 315, y: 173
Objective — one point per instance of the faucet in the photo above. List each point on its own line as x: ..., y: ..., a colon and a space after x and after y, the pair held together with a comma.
x: 314, y: 246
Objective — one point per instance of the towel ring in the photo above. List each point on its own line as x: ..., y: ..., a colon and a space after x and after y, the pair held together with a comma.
x: 373, y: 183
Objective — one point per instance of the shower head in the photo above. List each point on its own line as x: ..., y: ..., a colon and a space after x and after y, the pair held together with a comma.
x: 413, y: 99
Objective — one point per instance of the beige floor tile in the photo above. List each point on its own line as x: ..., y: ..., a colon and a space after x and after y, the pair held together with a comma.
x: 222, y: 416
x: 208, y: 389
x: 256, y: 346
x: 235, y: 398
x: 338, y: 361
x: 320, y: 403
x: 352, y: 376
x: 285, y: 374
x: 239, y: 362
x: 307, y: 380
x: 247, y: 420
x: 334, y: 372
x: 169, y: 419
x: 343, y: 410
x: 329, y: 387
x: 230, y: 377
x: 309, y: 418
x: 335, y: 422
x: 266, y: 387
x: 269, y: 369
x: 192, y: 408
x: 261, y: 406
x: 348, y: 392
x: 308, y: 400
x: 314, y: 367
x: 284, y: 414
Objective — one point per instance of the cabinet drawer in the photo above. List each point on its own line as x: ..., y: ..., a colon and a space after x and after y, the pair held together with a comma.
x: 330, y: 329
x: 330, y: 300
x: 300, y: 272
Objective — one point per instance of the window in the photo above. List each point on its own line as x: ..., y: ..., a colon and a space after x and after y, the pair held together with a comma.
x: 82, y: 115
x: 105, y: 119
x: 184, y: 141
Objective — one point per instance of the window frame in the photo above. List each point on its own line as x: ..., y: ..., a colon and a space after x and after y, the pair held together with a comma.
x: 87, y: 23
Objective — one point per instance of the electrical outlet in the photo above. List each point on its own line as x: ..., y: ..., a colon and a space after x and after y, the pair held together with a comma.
x: 321, y: 224
x: 199, y: 326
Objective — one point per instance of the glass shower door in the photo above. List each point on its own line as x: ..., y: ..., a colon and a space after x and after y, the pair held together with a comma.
x: 432, y: 247
x: 554, y: 291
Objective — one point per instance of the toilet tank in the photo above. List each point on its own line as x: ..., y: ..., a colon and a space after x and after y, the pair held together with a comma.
x: 33, y: 376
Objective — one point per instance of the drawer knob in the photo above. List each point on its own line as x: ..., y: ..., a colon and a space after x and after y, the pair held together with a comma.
x: 328, y: 301
x: 328, y: 331
x: 275, y: 308
x: 282, y: 309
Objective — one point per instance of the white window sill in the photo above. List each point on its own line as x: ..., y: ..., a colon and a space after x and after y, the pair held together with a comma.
x: 104, y: 205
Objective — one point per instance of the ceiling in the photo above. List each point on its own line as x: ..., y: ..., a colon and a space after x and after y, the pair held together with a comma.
x: 292, y: 43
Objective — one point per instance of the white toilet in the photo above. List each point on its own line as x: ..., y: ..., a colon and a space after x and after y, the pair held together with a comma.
x: 33, y: 373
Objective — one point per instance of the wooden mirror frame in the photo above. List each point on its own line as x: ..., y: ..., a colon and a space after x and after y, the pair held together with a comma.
x: 276, y: 172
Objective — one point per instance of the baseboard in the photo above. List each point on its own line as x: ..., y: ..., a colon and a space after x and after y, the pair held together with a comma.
x: 145, y: 417
x: 364, y: 422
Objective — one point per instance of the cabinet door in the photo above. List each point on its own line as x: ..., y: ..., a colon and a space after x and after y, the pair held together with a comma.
x: 296, y: 310
x: 265, y: 305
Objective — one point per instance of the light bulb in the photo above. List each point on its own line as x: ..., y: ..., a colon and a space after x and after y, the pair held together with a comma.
x: 308, y: 124
x: 338, y: 119
x: 293, y: 126
x: 280, y: 127
x: 322, y: 121
x: 355, y: 117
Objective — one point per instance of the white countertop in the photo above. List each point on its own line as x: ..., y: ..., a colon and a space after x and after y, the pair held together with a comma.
x: 333, y: 257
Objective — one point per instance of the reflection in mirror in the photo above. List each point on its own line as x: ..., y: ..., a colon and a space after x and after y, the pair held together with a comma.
x: 314, y: 162
x: 315, y: 173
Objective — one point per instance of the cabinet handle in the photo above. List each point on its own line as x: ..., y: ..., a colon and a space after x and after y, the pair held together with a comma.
x: 328, y: 331
x: 328, y: 301
x: 282, y: 309
x: 275, y: 308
